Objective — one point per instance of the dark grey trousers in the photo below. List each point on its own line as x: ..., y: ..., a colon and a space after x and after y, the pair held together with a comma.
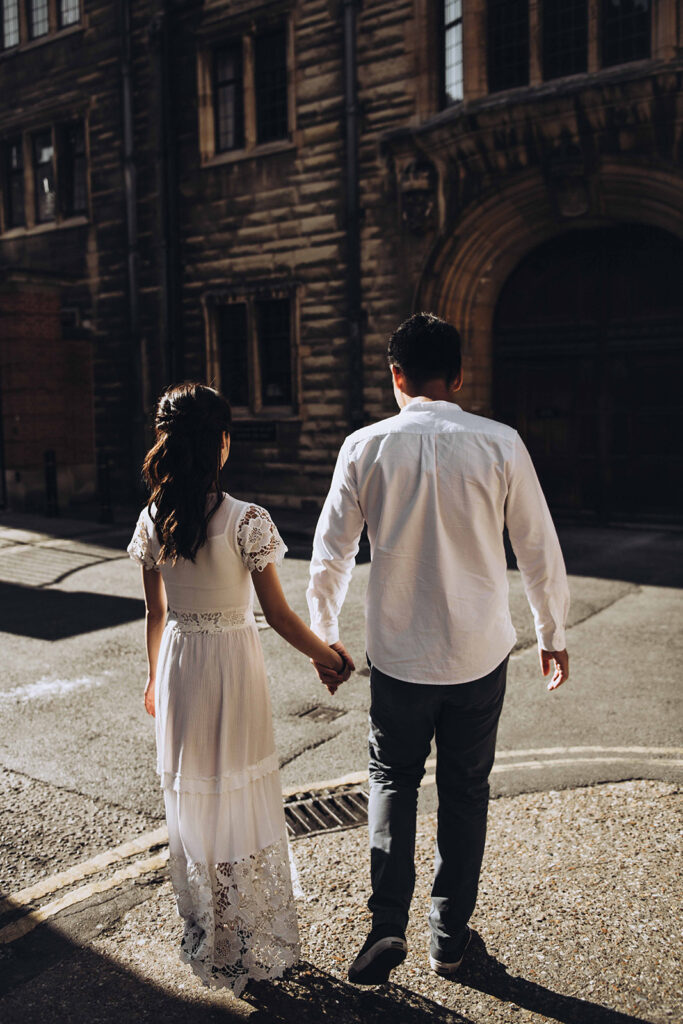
x: 404, y: 717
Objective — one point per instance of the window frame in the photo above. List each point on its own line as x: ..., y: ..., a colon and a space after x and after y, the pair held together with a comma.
x: 602, y: 38
x: 34, y: 136
x: 4, y: 48
x: 212, y: 43
x: 444, y: 100
x: 61, y: 25
x: 62, y: 216
x: 521, y: 63
x: 543, y: 41
x: 55, y: 25
x: 255, y: 408
x: 237, y: 45
x: 8, y: 175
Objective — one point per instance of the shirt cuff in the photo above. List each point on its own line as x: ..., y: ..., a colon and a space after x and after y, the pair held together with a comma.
x: 553, y: 641
x: 328, y: 632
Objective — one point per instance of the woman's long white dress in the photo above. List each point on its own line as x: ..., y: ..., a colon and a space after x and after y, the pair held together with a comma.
x: 216, y: 753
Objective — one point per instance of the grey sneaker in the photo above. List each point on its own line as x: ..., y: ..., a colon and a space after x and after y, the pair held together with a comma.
x: 451, y: 961
x: 381, y: 952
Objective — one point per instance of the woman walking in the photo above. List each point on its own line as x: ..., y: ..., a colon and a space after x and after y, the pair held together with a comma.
x: 200, y: 549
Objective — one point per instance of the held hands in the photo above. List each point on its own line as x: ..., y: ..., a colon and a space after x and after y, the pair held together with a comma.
x: 331, y: 678
x: 561, y: 662
x: 149, y: 696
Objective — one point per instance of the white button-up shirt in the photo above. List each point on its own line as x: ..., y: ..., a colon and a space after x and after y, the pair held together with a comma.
x: 436, y: 486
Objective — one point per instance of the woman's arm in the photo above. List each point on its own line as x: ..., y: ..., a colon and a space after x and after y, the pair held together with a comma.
x: 155, y: 620
x: 287, y: 623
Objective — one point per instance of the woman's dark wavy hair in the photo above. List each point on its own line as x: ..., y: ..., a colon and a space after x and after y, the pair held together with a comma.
x: 184, y: 465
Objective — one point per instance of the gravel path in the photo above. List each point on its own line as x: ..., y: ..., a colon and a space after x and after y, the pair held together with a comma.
x: 577, y: 921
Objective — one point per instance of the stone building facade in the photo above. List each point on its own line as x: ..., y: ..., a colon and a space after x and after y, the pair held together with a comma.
x: 255, y: 194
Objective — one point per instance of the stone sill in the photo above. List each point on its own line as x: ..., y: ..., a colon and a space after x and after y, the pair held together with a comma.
x: 41, y: 229
x: 49, y: 37
x: 234, y: 156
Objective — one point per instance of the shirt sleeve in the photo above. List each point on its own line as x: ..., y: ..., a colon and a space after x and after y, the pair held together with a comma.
x: 334, y: 550
x: 539, y: 557
x: 258, y: 540
x: 140, y: 547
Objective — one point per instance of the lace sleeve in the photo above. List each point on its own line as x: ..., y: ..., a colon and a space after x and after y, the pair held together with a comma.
x: 139, y: 548
x: 258, y: 540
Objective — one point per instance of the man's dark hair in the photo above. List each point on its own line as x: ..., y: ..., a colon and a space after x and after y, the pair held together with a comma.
x: 426, y: 348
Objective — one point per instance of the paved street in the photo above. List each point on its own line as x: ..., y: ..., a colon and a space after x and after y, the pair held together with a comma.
x: 76, y: 748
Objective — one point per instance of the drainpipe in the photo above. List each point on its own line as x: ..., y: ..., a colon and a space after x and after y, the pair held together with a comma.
x: 137, y: 405
x: 160, y: 38
x: 353, y: 245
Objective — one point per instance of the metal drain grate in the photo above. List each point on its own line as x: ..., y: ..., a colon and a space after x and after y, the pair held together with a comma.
x: 320, y: 713
x: 327, y: 811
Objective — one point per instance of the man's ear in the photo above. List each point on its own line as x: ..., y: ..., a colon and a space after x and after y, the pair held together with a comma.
x: 399, y: 376
x: 457, y: 383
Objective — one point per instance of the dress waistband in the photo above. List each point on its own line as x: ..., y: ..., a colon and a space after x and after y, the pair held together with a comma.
x: 223, y: 620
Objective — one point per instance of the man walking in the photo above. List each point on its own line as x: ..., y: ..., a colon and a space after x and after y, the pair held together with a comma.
x: 436, y: 486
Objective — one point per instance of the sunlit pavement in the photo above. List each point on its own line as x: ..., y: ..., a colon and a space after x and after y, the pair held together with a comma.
x: 77, y: 777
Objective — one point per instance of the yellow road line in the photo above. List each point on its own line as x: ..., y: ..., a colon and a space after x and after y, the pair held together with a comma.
x: 26, y: 924
x: 88, y: 867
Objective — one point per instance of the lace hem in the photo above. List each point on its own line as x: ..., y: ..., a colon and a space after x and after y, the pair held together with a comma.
x: 258, y: 539
x: 220, y: 621
x: 227, y: 783
x: 139, y: 547
x: 240, y: 918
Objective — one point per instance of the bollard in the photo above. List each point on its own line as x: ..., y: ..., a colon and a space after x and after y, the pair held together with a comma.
x: 104, y: 488
x: 51, y: 502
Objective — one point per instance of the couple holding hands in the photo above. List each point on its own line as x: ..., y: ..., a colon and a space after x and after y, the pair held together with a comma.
x: 436, y: 486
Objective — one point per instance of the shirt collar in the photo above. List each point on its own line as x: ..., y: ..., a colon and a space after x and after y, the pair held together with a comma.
x: 421, y: 403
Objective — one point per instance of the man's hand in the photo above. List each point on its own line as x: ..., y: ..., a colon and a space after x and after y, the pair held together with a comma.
x: 149, y: 696
x: 561, y: 661
x: 330, y: 678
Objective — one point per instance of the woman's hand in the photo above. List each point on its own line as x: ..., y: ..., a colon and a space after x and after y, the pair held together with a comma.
x: 149, y: 696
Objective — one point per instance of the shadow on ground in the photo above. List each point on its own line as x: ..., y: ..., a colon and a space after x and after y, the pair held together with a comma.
x: 643, y: 556
x: 485, y: 973
x: 57, y: 614
x: 49, y: 979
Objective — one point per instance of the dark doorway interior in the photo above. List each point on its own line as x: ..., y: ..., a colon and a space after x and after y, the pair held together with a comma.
x: 588, y: 365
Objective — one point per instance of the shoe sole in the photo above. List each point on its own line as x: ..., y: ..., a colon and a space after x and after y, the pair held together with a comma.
x: 446, y: 969
x: 375, y: 965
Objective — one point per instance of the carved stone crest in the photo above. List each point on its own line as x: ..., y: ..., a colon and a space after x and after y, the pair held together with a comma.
x: 417, y: 195
x: 571, y: 196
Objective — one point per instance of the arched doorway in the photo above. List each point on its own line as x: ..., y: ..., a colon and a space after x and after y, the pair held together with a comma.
x: 588, y: 364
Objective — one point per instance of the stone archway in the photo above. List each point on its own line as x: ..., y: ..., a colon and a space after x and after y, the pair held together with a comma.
x: 468, y: 272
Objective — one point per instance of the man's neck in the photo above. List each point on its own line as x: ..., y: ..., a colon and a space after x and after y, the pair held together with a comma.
x: 432, y: 391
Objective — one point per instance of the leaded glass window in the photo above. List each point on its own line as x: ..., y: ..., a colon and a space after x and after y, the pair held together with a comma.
x: 273, y: 331
x: 44, y: 176
x: 10, y: 23
x: 14, y: 184
x: 233, y: 348
x: 565, y: 37
x: 228, y: 97
x: 38, y: 18
x: 452, y: 56
x: 625, y: 30
x: 270, y: 85
x: 508, y: 44
x: 69, y: 13
x: 73, y: 177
